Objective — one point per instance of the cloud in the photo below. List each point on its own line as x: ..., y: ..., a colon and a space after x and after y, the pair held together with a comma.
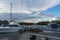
x: 34, y: 8
x: 32, y: 17
x: 27, y: 5
x: 2, y: 7
x: 37, y: 5
x: 53, y: 19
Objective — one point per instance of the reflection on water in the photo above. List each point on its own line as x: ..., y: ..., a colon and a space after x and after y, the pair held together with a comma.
x: 15, y: 36
x: 9, y: 36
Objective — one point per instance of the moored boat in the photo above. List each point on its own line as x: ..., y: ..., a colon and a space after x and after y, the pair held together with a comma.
x: 11, y: 27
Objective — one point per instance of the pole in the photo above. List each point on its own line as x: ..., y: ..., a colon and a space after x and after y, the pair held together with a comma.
x: 10, y: 11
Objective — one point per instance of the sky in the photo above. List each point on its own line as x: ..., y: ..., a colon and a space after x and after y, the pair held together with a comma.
x: 37, y: 10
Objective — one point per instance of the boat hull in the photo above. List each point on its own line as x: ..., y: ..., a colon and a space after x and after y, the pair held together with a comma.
x: 9, y: 29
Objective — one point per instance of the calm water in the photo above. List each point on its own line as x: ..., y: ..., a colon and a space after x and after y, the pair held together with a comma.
x: 15, y: 36
x: 19, y: 36
x: 23, y: 36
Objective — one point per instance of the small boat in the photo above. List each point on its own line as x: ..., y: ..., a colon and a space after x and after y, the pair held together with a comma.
x: 11, y: 27
x: 53, y: 25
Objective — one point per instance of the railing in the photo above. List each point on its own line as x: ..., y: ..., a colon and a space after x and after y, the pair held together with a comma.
x: 46, y: 36
x: 45, y: 28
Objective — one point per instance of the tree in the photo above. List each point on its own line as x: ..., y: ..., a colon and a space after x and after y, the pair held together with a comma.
x: 5, y: 22
x: 0, y: 22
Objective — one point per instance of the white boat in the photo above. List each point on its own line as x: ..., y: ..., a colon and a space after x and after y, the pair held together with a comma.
x: 12, y: 27
x: 53, y: 24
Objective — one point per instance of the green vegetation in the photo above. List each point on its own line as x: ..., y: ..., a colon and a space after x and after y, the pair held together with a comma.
x: 5, y: 22
x: 42, y: 23
x: 39, y: 23
x: 25, y: 23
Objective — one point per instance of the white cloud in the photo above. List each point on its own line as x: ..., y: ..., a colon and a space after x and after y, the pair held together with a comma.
x: 27, y: 6
x: 53, y: 18
x: 34, y: 5
x: 37, y: 5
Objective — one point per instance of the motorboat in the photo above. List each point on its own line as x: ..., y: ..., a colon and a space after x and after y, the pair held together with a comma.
x: 11, y: 27
x: 53, y: 25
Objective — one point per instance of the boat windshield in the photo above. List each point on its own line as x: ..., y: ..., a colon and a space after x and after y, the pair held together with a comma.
x: 12, y: 25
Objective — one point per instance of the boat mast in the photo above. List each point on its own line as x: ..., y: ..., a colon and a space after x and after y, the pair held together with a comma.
x: 10, y: 12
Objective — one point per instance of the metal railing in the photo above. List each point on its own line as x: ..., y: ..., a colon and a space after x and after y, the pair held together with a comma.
x: 46, y: 36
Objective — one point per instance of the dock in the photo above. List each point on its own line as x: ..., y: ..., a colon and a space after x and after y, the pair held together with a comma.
x: 49, y: 33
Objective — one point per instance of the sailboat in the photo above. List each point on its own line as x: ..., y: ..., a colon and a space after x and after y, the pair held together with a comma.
x: 11, y: 27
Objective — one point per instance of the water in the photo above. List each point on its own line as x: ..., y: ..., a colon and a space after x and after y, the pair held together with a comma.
x: 26, y: 35
x: 19, y: 36
x: 9, y: 36
x: 14, y: 36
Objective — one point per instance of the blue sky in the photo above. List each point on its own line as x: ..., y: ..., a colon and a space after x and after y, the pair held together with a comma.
x: 55, y: 10
x: 37, y: 10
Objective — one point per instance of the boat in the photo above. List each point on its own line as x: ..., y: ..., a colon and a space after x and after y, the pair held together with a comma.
x: 53, y: 25
x: 11, y: 27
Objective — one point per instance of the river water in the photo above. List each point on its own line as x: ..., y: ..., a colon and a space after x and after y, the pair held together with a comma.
x: 19, y: 36
x: 24, y: 36
x: 15, y: 36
